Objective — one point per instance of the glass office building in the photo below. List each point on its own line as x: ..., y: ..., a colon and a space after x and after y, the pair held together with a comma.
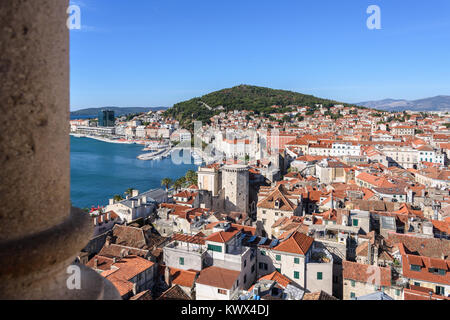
x: 106, y: 118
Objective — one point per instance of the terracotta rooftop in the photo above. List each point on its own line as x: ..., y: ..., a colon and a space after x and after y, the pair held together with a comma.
x: 189, y: 239
x: 428, y: 247
x: 365, y: 273
x: 277, y: 196
x: 297, y: 243
x: 218, y: 277
x: 424, y: 274
x: 223, y: 236
x: 174, y: 293
x: 129, y: 236
x: 321, y: 295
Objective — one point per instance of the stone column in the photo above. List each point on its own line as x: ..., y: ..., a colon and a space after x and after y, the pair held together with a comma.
x: 40, y: 234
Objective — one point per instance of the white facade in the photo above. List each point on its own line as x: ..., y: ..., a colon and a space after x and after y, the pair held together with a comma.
x: 431, y: 156
x: 345, y: 149
x: 140, y: 132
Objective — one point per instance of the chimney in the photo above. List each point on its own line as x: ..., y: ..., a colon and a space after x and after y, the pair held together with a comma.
x: 369, y: 253
x: 410, y: 196
x: 256, y: 290
x: 332, y: 201
x: 375, y: 255
x: 168, y: 277
x: 111, y: 202
x: 135, y: 193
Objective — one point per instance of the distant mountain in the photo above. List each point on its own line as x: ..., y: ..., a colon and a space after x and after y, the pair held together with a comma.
x: 439, y: 103
x: 117, y: 110
x: 242, y: 97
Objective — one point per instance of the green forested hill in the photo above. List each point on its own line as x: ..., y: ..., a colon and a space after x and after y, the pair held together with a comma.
x: 243, y: 97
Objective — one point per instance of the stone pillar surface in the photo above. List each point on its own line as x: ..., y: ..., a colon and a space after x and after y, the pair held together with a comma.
x: 40, y: 234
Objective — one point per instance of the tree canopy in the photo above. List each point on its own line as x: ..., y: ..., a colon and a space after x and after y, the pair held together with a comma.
x: 260, y: 100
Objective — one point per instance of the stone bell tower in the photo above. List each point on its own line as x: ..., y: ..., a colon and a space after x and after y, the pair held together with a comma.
x: 235, y: 184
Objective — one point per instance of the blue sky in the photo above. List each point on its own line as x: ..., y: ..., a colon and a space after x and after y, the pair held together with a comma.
x: 160, y: 52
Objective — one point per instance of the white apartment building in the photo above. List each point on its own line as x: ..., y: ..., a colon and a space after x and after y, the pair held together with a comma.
x: 140, y: 132
x: 120, y: 130
x: 221, y: 250
x: 299, y: 258
x: 185, y: 135
x: 137, y: 205
x: 320, y: 150
x: 429, y: 154
x: 403, y: 130
x: 237, y: 146
x: 405, y: 157
x: 95, y: 131
x: 340, y: 149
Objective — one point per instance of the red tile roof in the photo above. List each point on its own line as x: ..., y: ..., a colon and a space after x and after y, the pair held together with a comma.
x: 218, y: 277
x: 184, y: 278
x: 187, y: 238
x: 379, y: 182
x: 366, y: 273
x: 424, y: 274
x: 280, y: 195
x: 223, y: 236
x: 410, y: 294
x: 298, y: 243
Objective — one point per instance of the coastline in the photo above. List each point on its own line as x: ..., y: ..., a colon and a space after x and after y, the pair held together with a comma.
x: 101, y: 170
x: 103, y: 139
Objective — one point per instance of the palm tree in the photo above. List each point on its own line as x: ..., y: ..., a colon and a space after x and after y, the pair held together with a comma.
x: 191, y: 177
x: 117, y: 198
x: 129, y: 192
x: 166, y: 182
x: 177, y: 184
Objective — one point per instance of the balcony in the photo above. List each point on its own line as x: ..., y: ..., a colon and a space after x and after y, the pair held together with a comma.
x: 320, y: 255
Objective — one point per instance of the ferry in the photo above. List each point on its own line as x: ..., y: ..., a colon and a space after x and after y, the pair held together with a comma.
x: 155, y: 146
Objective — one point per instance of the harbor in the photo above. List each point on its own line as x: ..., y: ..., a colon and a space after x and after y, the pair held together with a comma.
x: 101, y: 169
